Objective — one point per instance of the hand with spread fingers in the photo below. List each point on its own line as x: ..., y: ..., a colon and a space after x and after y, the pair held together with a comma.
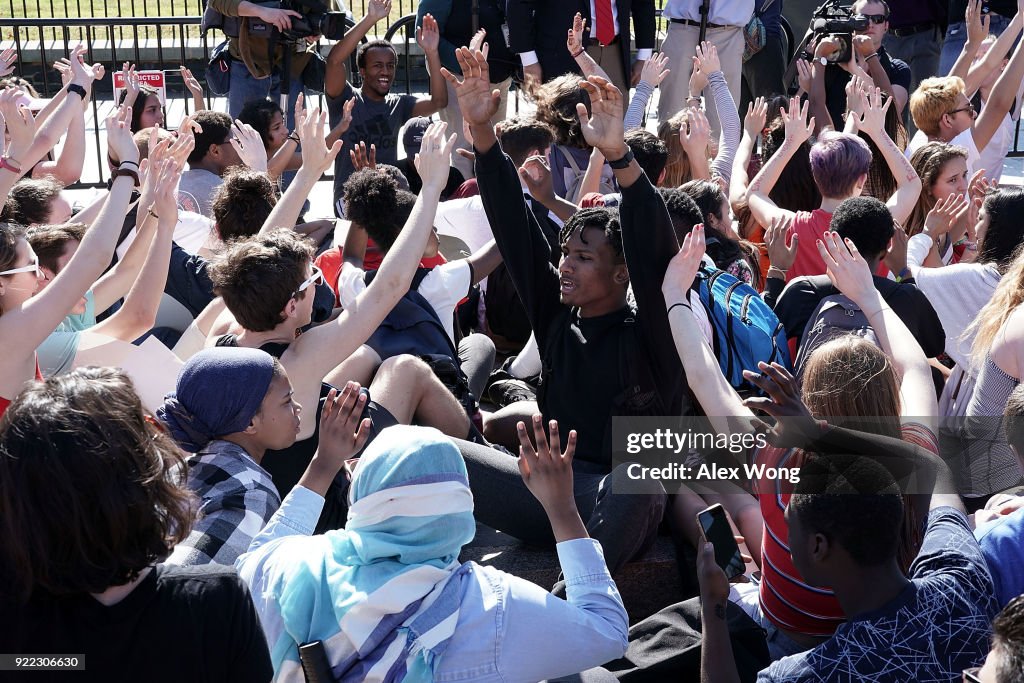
x: 944, y: 214
x: 655, y: 69
x: 848, y: 270
x: 428, y: 35
x: 798, y: 128
x: 343, y: 433
x: 602, y: 125
x: 316, y: 156
x: 363, y: 157
x: 782, y: 246
x: 574, y: 39
x: 756, y: 118
x: 378, y: 9
x: 119, y: 135
x: 547, y: 472
x: 7, y: 59
x: 794, y: 425
x: 477, y: 99
x: 696, y: 134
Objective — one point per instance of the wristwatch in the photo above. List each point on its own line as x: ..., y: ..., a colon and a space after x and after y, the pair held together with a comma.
x: 624, y: 162
x: 821, y: 60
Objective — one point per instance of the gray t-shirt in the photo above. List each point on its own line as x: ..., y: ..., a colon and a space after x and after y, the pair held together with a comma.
x: 376, y: 123
x: 196, y: 189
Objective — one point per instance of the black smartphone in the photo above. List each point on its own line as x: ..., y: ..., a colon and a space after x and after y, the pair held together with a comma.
x: 718, y: 532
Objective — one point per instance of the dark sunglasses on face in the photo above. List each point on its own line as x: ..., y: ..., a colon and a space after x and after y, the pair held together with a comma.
x: 876, y: 18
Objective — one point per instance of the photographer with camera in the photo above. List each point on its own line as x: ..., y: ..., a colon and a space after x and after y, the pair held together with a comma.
x: 378, y: 115
x: 261, y: 39
x: 869, y: 21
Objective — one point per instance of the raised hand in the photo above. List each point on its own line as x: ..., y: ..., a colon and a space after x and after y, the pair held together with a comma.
x: 119, y: 134
x: 343, y: 432
x: 547, y: 470
x: 977, y: 22
x: 428, y: 35
x: 316, y: 157
x: 794, y: 425
x: 477, y: 99
x: 696, y: 134
x: 602, y: 127
x: 944, y: 214
x: 574, y: 39
x: 846, y: 268
x: 655, y: 69
x: 249, y: 145
x: 378, y: 9
x: 363, y: 158
x: 21, y: 124
x: 863, y: 45
x: 163, y: 178
x: 707, y: 58
x: 756, y: 118
x: 63, y: 67
x: 856, y: 96
x: 684, y: 266
x: 191, y: 82
x: 434, y: 160
x: 536, y: 174
x: 80, y: 73
x: 872, y: 120
x: 798, y: 128
x: 780, y: 253
x: 804, y: 75
x: 131, y: 83
x: 7, y: 59
x: 477, y: 41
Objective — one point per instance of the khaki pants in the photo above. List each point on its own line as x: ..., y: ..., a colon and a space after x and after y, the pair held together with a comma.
x: 680, y: 46
x: 610, y: 59
x: 452, y: 115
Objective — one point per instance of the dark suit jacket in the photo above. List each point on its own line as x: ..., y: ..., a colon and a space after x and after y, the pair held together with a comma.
x: 541, y: 25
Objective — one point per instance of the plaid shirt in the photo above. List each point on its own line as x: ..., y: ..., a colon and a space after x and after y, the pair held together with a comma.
x: 238, y: 499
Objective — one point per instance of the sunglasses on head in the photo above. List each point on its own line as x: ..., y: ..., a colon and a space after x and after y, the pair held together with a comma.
x: 316, y: 278
x: 33, y: 266
x: 876, y: 18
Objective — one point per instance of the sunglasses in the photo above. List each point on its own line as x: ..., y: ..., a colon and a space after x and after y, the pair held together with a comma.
x: 971, y: 675
x: 33, y: 266
x: 876, y: 18
x: 969, y: 108
x: 317, y: 278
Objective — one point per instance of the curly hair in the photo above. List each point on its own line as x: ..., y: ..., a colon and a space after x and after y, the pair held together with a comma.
x: 91, y: 492
x: 258, y: 276
x: 242, y: 203
x: 259, y: 114
x: 556, y: 103
x: 369, y: 196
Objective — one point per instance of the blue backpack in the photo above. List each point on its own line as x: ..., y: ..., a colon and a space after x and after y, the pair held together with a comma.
x: 746, y: 329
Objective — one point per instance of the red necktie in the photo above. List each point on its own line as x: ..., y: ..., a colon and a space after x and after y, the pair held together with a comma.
x: 605, y: 21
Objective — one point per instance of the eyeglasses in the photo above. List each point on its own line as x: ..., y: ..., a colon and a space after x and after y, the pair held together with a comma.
x: 876, y: 18
x: 969, y: 108
x: 33, y: 266
x: 971, y: 675
x: 317, y: 278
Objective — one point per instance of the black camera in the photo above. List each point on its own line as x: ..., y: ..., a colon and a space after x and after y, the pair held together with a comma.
x: 831, y: 20
x: 317, y: 20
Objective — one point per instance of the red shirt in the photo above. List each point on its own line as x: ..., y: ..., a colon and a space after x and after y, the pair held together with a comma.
x: 809, y: 227
x: 786, y: 600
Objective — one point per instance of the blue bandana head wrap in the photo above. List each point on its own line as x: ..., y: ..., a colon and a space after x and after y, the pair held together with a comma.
x: 219, y: 391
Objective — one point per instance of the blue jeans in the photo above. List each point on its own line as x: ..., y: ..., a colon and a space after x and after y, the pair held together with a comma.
x: 245, y: 87
x: 956, y: 37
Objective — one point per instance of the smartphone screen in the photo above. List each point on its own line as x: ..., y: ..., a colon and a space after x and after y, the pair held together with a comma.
x: 718, y: 532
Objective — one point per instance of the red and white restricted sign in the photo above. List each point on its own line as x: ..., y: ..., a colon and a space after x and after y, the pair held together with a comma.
x: 154, y: 79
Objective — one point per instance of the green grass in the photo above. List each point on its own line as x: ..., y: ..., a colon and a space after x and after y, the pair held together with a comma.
x: 63, y: 10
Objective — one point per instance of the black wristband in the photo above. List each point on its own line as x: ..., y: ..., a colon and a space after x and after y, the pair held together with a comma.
x: 77, y: 89
x: 623, y: 162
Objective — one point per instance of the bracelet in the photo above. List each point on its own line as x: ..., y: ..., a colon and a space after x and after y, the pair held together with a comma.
x: 152, y: 213
x: 873, y: 54
x: 578, y: 53
x: 128, y: 161
x: 777, y: 270
x: 77, y: 89
x: 680, y: 303
x: 294, y: 138
x: 904, y: 274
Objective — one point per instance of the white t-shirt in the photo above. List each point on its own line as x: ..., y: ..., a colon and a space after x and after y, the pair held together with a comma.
x: 965, y: 140
x: 191, y: 233
x: 992, y: 157
x: 443, y: 288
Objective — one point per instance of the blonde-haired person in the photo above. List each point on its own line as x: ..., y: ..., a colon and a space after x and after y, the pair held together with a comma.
x: 943, y: 112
